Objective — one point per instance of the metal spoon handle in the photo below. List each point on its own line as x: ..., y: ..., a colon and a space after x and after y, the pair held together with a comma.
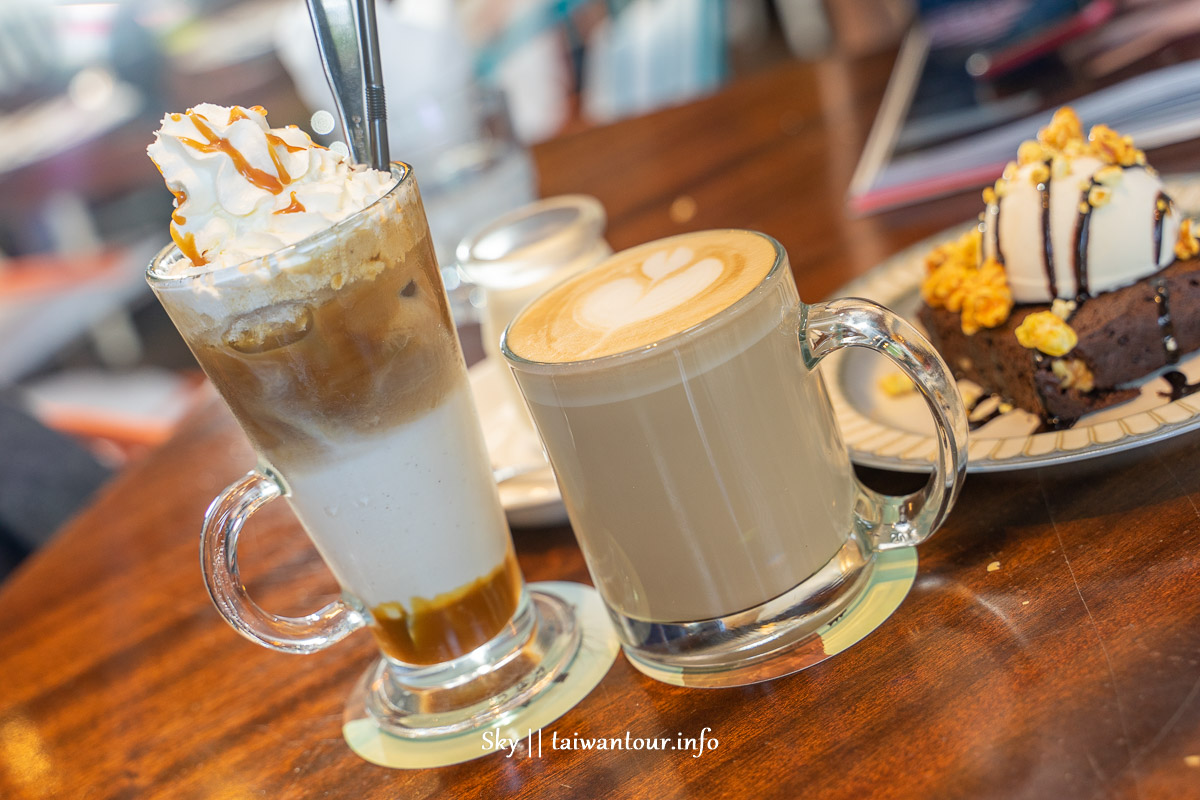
x: 348, y: 40
x: 376, y: 107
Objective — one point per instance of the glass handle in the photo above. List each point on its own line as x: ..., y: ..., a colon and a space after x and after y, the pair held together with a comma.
x: 888, y: 520
x: 219, y: 561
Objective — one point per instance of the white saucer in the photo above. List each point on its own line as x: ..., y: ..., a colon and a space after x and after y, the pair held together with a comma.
x: 530, y: 499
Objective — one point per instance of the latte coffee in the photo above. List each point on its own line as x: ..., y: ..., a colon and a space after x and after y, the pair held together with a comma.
x: 698, y: 459
x: 676, y: 390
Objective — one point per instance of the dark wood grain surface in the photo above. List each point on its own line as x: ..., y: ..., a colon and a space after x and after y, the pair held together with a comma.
x: 1070, y: 671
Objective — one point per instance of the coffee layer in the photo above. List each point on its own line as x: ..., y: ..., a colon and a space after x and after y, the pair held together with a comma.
x: 642, y: 295
x: 352, y: 335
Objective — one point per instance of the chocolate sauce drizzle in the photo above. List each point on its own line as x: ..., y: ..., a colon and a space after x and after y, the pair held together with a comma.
x: 1047, y: 249
x: 1083, y: 224
x: 1180, y: 388
x: 1162, y: 205
x: 996, y: 224
x: 1166, y: 325
x: 1082, y: 229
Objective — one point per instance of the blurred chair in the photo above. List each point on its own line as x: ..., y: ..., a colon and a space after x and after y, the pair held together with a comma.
x: 45, y: 478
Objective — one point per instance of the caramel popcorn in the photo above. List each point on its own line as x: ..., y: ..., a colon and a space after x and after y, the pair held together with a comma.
x: 963, y: 250
x: 1030, y: 152
x: 1064, y: 127
x: 1113, y: 148
x: 1063, y: 140
x: 896, y: 384
x: 1073, y: 373
x: 1076, y: 148
x: 943, y: 288
x: 1063, y: 309
x: 1039, y: 174
x: 1047, y: 332
x: 1109, y: 176
x: 1099, y: 196
x: 1186, y: 246
x: 957, y: 282
x: 986, y: 298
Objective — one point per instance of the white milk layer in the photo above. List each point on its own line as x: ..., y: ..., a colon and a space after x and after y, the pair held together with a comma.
x: 412, y: 513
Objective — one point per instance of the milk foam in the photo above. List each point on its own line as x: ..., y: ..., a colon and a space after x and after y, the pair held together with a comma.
x: 642, y: 295
x: 396, y: 516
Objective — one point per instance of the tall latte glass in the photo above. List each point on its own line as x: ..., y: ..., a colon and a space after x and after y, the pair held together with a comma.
x: 339, y: 359
x: 674, y: 386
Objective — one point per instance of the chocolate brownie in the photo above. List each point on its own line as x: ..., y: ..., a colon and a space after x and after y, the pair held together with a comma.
x: 1122, y: 335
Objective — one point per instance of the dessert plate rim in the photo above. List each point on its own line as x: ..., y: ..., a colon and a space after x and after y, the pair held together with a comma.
x: 874, y: 441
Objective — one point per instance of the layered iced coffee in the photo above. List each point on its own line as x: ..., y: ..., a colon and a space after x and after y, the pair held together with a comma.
x: 308, y: 290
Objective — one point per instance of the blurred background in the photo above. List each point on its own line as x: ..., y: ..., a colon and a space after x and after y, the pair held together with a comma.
x: 92, y: 373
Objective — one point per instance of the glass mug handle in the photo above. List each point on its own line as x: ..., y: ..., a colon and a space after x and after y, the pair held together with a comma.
x: 219, y: 561
x: 892, y: 521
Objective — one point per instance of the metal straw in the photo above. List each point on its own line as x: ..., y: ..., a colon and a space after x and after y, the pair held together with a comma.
x: 348, y: 40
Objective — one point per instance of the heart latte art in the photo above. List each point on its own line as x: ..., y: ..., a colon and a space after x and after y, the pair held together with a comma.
x: 642, y: 295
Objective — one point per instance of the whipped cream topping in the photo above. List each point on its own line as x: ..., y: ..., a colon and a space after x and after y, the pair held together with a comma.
x: 1124, y: 240
x: 244, y: 190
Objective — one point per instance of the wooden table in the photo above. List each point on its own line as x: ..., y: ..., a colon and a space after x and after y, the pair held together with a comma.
x: 1072, y: 670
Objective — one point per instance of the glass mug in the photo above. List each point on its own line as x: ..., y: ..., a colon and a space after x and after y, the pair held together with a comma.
x: 340, y: 361
x: 518, y: 256
x: 698, y: 456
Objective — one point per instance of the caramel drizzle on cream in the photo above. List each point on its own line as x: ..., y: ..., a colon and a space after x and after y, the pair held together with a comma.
x: 217, y: 144
x: 187, y: 245
x: 294, y: 207
x: 185, y: 242
x: 237, y: 112
x: 264, y: 180
x: 276, y: 141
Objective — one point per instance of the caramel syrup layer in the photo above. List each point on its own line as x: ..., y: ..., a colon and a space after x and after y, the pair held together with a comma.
x: 452, y: 624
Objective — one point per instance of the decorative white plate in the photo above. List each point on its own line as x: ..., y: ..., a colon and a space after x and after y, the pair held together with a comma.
x: 530, y: 494
x: 897, y: 432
